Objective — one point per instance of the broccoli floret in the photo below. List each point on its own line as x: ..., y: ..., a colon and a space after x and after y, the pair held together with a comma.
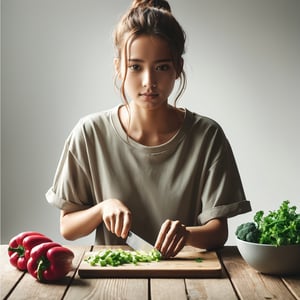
x: 248, y: 232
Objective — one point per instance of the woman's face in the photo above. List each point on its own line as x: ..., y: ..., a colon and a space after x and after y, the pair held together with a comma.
x: 150, y: 74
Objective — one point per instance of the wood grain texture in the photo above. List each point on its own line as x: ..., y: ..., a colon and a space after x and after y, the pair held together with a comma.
x: 107, y: 289
x: 9, y: 275
x: 210, y: 288
x: 249, y: 283
x: 237, y: 281
x: 293, y: 284
x: 168, y: 289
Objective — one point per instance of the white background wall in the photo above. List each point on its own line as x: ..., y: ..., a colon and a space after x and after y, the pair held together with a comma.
x: 243, y: 70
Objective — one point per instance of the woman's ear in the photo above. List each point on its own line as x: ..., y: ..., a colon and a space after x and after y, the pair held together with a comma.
x: 117, y: 67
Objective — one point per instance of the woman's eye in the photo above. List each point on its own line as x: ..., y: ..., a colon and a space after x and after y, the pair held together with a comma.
x: 134, y: 67
x: 163, y: 68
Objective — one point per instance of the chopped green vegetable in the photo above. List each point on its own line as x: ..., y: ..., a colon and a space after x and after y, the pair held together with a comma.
x: 119, y: 257
x: 280, y: 227
x: 199, y: 259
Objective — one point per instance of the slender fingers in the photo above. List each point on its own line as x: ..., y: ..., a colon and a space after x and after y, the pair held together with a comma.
x: 117, y: 218
x: 171, y: 238
x: 119, y: 224
x: 126, y: 224
x: 109, y: 222
x: 159, y: 245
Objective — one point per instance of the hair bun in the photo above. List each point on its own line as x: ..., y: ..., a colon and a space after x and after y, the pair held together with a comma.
x: 160, y: 4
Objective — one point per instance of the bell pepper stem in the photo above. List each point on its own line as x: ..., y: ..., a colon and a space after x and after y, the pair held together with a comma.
x: 20, y: 250
x: 43, y: 264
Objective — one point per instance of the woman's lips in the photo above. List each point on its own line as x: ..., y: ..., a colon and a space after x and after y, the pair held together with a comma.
x: 149, y: 95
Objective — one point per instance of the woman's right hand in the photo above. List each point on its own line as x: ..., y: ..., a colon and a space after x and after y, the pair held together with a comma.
x: 116, y: 217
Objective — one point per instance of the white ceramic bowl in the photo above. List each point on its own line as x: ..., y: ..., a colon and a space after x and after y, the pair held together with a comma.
x: 269, y: 259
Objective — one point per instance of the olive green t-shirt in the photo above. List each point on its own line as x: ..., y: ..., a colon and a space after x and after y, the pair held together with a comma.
x: 192, y: 178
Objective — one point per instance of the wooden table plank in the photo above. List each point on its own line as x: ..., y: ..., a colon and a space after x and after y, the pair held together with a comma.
x: 107, y: 289
x: 210, y: 288
x: 30, y: 288
x: 167, y: 289
x: 9, y: 275
x: 293, y: 284
x: 250, y: 284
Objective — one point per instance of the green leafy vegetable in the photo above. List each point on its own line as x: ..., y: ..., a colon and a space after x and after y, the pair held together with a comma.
x: 119, y: 257
x: 248, y: 232
x: 280, y: 227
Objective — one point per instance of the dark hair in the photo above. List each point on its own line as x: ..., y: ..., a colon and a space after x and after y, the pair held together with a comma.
x: 152, y: 18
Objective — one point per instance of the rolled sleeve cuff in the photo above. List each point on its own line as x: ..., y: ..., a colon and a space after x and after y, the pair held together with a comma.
x: 61, y: 203
x: 224, y: 211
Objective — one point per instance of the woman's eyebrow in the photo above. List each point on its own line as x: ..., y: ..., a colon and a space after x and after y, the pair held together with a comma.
x: 157, y: 61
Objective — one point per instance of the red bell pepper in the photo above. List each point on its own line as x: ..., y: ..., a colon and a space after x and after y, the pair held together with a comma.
x: 50, y: 261
x: 20, y: 246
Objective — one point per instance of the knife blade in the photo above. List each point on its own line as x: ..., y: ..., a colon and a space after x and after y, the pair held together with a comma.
x: 137, y: 243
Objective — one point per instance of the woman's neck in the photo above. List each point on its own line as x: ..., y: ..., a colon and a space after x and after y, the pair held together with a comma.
x: 151, y: 127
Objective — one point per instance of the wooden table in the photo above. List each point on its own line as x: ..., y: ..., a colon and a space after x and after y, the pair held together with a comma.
x: 238, y: 281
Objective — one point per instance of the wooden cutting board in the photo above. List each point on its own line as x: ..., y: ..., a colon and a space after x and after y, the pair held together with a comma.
x: 183, y: 265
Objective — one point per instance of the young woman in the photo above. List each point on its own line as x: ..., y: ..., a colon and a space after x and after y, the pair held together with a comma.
x: 166, y: 173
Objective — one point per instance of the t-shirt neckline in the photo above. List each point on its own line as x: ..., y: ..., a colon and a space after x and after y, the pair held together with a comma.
x: 170, y: 144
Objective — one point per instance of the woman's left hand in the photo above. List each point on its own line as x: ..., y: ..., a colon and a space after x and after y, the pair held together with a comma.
x: 171, y: 238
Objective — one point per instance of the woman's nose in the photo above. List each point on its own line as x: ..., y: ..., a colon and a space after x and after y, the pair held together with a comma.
x: 149, y: 78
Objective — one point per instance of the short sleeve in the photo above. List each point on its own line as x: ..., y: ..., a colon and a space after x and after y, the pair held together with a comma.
x: 71, y: 189
x: 223, y: 194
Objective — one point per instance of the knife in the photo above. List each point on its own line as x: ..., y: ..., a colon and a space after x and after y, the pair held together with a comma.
x: 137, y: 243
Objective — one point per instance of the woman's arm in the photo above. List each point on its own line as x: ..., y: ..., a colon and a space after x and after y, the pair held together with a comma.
x: 115, y: 215
x: 173, y: 236
x: 213, y: 234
